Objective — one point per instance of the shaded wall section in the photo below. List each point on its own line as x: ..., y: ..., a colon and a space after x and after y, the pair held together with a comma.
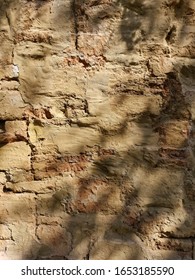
x: 97, y: 132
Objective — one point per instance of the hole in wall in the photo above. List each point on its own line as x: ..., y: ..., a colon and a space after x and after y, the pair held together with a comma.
x: 6, y: 190
x: 2, y: 126
x: 171, y: 35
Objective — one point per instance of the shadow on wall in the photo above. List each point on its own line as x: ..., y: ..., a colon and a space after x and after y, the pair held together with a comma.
x: 116, y: 212
x: 127, y: 194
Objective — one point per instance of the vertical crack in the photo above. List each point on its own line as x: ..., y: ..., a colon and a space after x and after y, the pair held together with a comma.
x: 10, y: 25
x: 32, y: 147
x: 71, y: 244
x: 36, y: 220
x: 11, y: 233
x: 90, y: 247
x: 76, y: 29
x: 193, y: 249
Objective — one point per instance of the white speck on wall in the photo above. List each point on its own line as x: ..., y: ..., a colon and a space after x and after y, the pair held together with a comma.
x: 15, y: 70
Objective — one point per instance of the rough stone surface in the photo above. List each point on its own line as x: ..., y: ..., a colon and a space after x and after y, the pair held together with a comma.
x: 97, y: 129
x: 15, y: 155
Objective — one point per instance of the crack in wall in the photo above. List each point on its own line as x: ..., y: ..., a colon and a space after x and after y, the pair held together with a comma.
x: 36, y: 221
x: 10, y: 26
x: 76, y: 28
x: 32, y: 148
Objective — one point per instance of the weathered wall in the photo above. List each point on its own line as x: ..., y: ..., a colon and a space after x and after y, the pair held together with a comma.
x: 97, y: 126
